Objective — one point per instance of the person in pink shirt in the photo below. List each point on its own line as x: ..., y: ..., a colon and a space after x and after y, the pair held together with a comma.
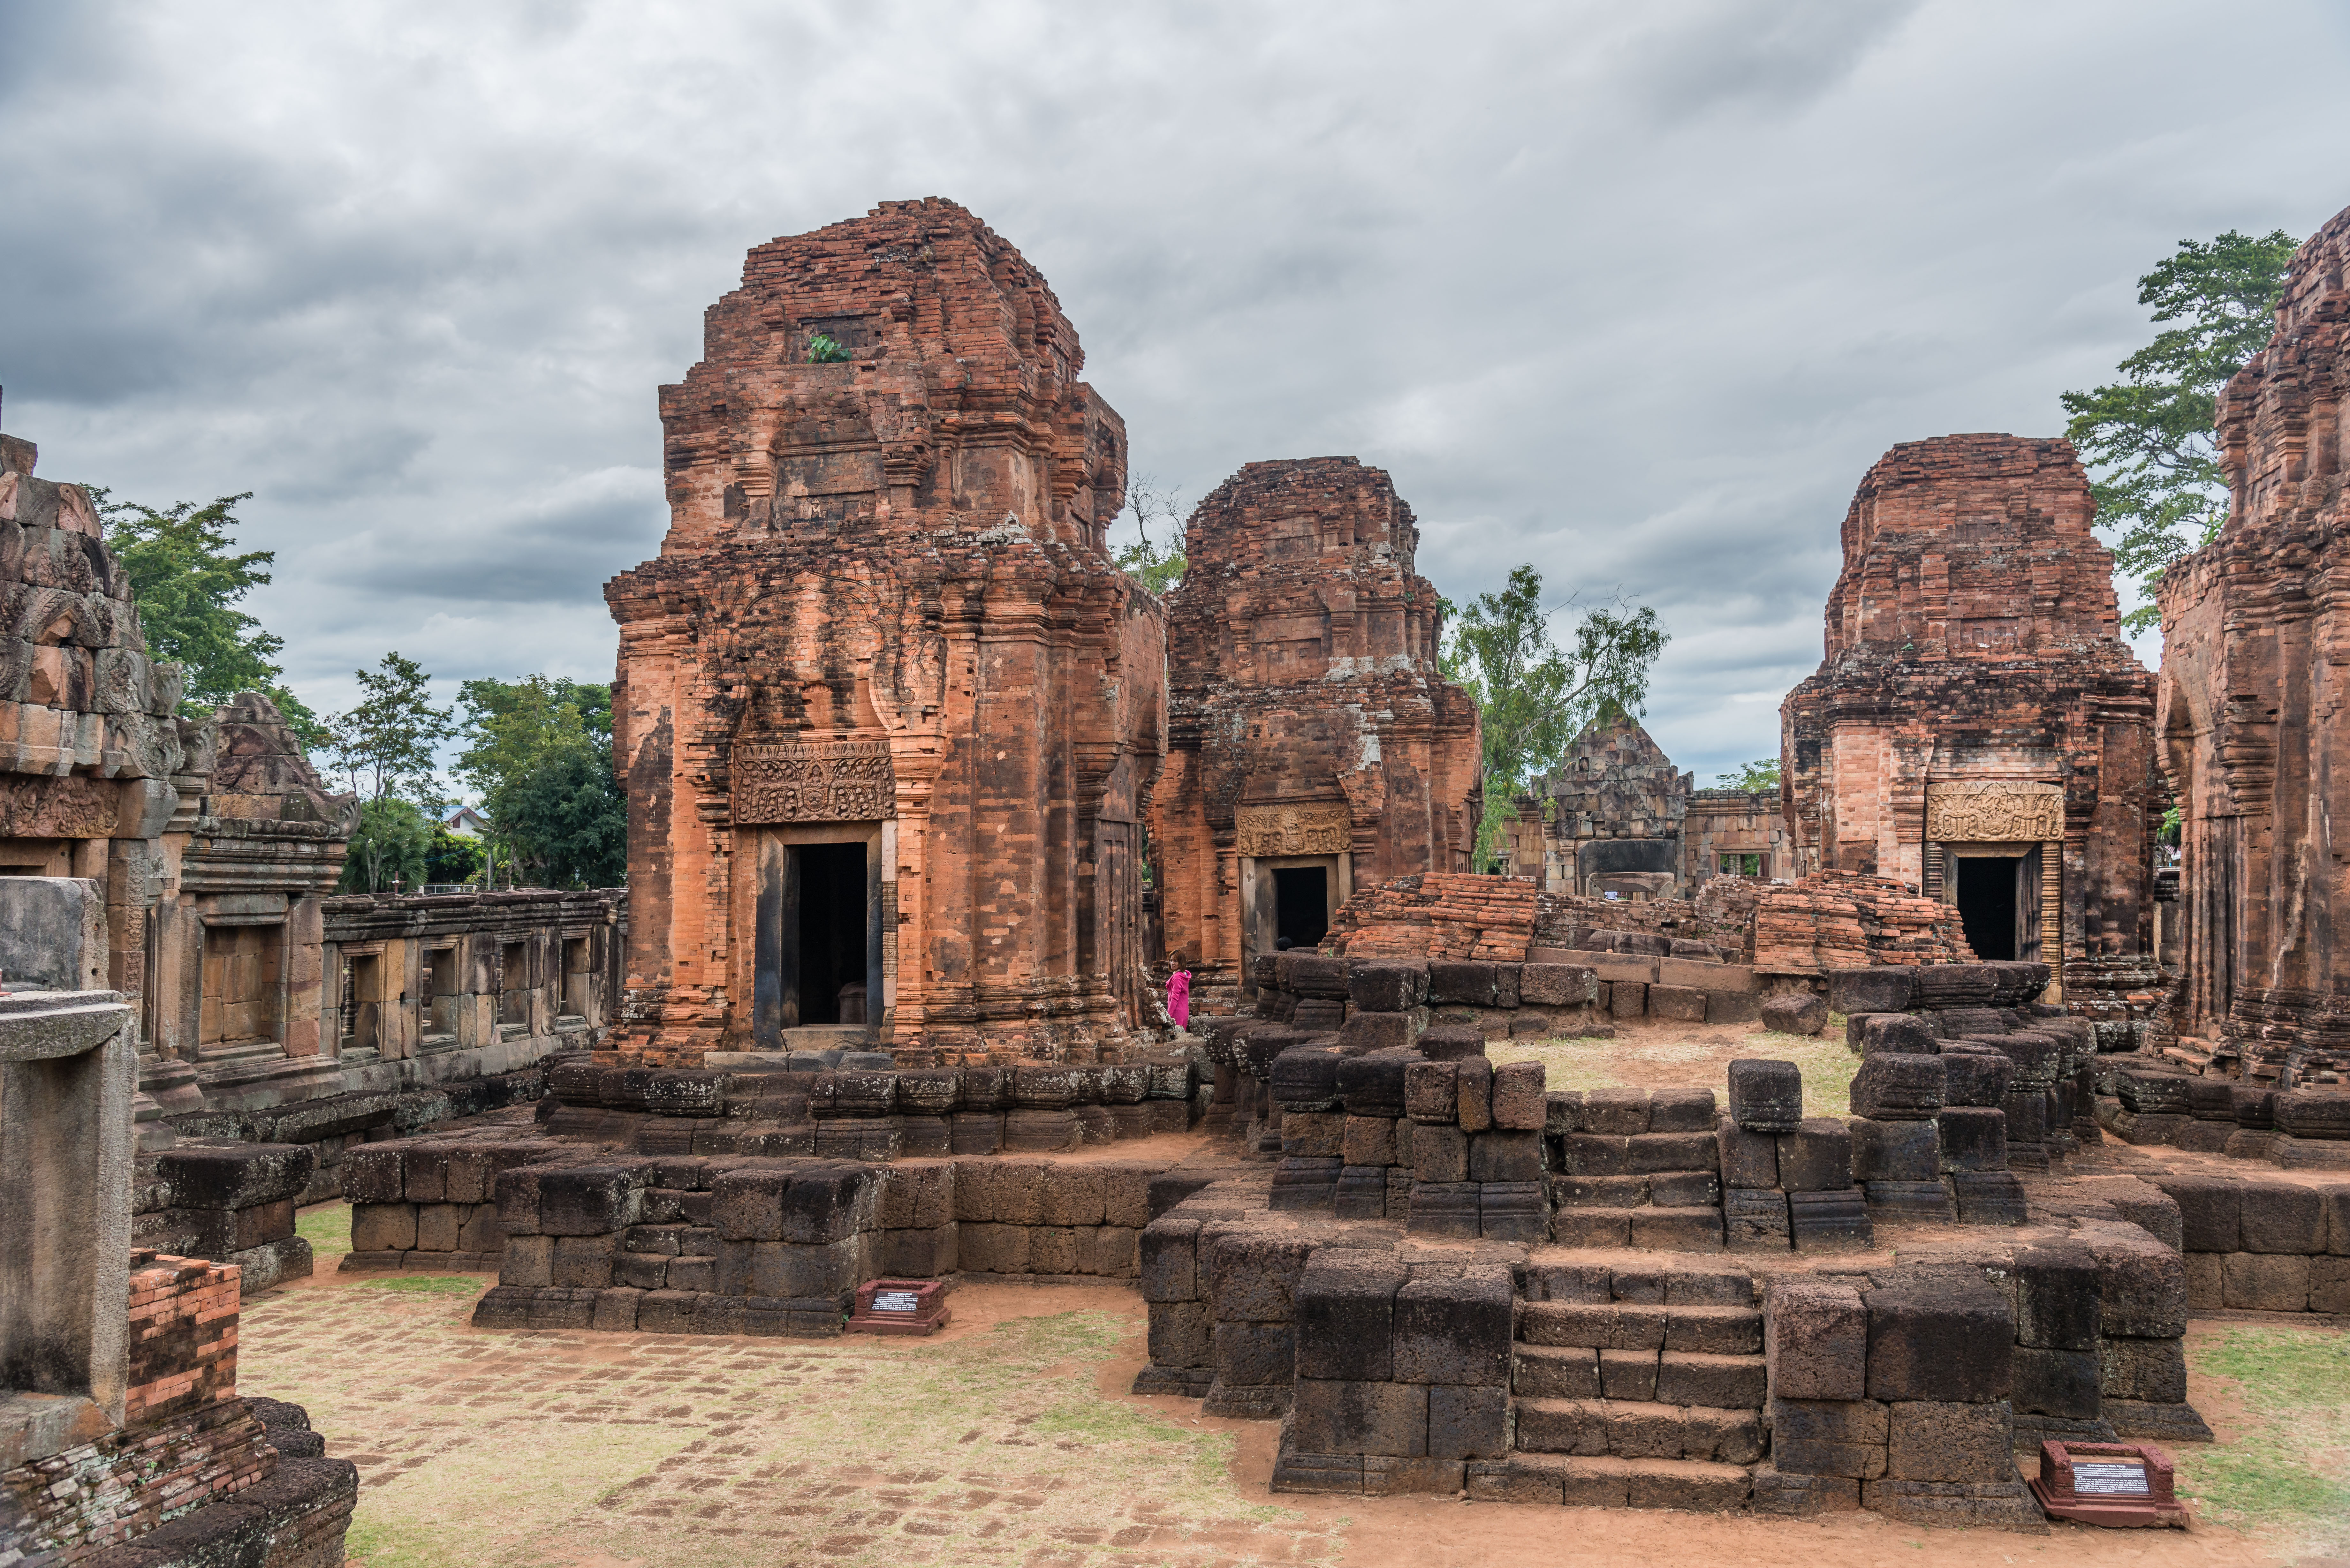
x: 1178, y: 998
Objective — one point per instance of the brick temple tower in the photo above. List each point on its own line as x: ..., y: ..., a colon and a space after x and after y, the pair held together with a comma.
x: 887, y: 712
x: 2255, y: 641
x: 1979, y: 730
x: 1313, y: 745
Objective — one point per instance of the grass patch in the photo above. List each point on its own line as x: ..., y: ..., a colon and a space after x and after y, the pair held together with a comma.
x: 431, y: 1284
x: 2289, y: 1472
x: 326, y: 1227
x: 1826, y: 1065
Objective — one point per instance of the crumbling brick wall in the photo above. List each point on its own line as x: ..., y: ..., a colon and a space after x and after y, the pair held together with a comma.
x: 1975, y: 687
x: 885, y: 614
x: 1306, y: 715
x: 2254, y: 641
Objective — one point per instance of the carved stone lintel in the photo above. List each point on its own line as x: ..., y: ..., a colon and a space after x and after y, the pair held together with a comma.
x: 1996, y: 810
x: 847, y: 781
x: 1319, y: 828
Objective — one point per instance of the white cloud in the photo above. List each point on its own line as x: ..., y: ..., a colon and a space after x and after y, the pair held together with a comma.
x: 1635, y: 293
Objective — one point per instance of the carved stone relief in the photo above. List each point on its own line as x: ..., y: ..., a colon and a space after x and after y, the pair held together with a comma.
x: 1321, y: 827
x: 847, y: 781
x: 1994, y: 810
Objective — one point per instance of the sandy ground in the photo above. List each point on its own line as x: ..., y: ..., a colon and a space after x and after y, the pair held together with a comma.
x: 1009, y: 1438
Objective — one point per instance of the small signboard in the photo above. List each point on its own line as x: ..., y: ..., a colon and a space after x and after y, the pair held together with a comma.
x: 899, y: 1306
x: 2119, y: 1485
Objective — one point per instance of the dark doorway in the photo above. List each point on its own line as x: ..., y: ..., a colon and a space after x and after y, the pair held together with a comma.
x: 832, y: 921
x: 1302, y: 905
x: 1987, y: 904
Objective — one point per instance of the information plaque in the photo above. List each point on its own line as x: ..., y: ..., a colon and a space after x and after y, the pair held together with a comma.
x: 899, y: 1306
x: 2123, y: 1486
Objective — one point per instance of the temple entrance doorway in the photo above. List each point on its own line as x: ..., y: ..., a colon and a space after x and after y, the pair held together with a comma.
x: 1301, y: 901
x: 1998, y: 896
x: 817, y: 964
x: 1287, y: 903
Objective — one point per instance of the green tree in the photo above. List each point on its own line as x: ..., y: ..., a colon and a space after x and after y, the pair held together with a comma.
x: 2147, y: 438
x: 188, y: 578
x: 391, y: 848
x: 451, y: 858
x: 1158, y: 567
x: 1753, y: 777
x: 1532, y: 695
x: 538, y: 750
x: 388, y: 744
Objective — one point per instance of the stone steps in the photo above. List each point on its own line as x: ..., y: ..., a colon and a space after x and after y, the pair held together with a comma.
x: 1639, y: 1430
x: 1650, y: 1229
x: 1602, y: 1482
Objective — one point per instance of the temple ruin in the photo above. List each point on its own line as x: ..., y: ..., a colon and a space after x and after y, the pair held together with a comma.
x: 2254, y: 631
x: 1312, y: 743
x: 886, y: 713
x: 1978, y: 730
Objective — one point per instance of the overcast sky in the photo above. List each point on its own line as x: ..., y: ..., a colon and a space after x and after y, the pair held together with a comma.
x: 1635, y: 293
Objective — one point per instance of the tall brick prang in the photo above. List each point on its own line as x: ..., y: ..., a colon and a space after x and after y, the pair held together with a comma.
x: 1313, y: 745
x: 1978, y: 731
x: 2256, y: 636
x: 887, y: 712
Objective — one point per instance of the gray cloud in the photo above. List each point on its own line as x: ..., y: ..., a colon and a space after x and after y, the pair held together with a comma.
x: 1636, y: 293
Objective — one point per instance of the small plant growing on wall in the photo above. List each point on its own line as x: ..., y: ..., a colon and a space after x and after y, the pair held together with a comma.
x: 822, y: 350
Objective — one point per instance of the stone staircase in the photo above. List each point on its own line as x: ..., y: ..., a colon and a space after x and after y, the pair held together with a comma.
x: 1634, y: 1385
x: 1645, y: 1170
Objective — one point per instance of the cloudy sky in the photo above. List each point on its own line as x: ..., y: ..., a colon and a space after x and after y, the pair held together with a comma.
x: 1635, y: 293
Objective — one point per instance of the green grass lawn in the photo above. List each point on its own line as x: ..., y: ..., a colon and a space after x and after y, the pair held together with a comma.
x: 1652, y: 1056
x: 2287, y: 1474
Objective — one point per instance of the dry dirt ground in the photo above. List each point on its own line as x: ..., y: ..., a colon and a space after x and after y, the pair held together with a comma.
x: 1009, y: 1438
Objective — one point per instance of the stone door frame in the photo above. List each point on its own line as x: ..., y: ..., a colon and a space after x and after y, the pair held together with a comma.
x: 775, y: 950
x: 1259, y: 918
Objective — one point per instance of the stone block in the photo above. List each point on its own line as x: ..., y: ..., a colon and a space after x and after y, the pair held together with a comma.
x: 2152, y: 1371
x: 2263, y: 1281
x: 1181, y: 1333
x: 1647, y: 1154
x: 1788, y: 1495
x: 1896, y: 1150
x: 1364, y: 1033
x: 2280, y: 1217
x: 1684, y: 1188
x: 1627, y: 1374
x: 1628, y: 998
x: 1517, y: 1100
x: 1359, y: 1418
x: 1254, y: 1355
x: 1313, y: 1135
x: 1987, y: 1198
x: 1614, y: 1112
x: 1815, y: 1155
x: 1170, y: 1259
x: 1555, y: 1372
x: 2329, y: 1284
x: 1815, y: 1339
x: 1732, y: 1007
x: 1682, y: 1111
x: 584, y: 1200
x: 1748, y: 1159
x: 990, y: 1249
x: 243, y: 1175
x: 2142, y: 1283
x: 1687, y: 1230
x: 1500, y: 1155
x: 1898, y: 1086
x: 1973, y: 1137
x: 1557, y: 985
x: 1463, y: 984
x: 1455, y: 1330
x: 1373, y: 1085
x: 1451, y: 1044
x: 582, y: 1263
x: 1371, y: 1141
x: 1933, y: 1440
x: 2321, y: 1116
x: 1840, y: 1437
x: 1431, y: 1092
x: 1719, y: 1382
x: 1875, y: 1034
x: 1305, y: 1078
x: 1467, y: 1423
x: 1439, y: 1153
x: 1679, y: 1003
x: 2057, y: 1296
x: 1474, y: 1095
x: 1453, y: 1209
x: 386, y: 1227
x: 1765, y: 1096
x: 918, y: 1254
x: 1756, y: 1220
x: 1794, y: 1013
x: 1374, y: 986
x: 1253, y: 1274
x: 1883, y: 987
x: 2059, y: 1383
x: 1592, y: 1227
x: 1945, y: 1336
x: 1345, y: 1317
x: 1972, y: 1077
x: 1361, y: 1192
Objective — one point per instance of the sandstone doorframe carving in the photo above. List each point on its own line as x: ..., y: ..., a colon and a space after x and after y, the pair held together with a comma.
x: 2002, y: 818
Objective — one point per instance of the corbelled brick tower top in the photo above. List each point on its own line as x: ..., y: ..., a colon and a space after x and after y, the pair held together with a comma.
x: 1977, y: 728
x: 2255, y: 637
x: 1313, y: 744
x: 886, y: 708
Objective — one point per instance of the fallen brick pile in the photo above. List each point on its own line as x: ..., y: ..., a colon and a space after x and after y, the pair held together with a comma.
x: 1441, y: 915
x: 1841, y: 919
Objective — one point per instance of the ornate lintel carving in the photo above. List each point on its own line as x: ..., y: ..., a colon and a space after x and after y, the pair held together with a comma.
x: 1317, y: 828
x: 1994, y: 810
x: 787, y: 781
